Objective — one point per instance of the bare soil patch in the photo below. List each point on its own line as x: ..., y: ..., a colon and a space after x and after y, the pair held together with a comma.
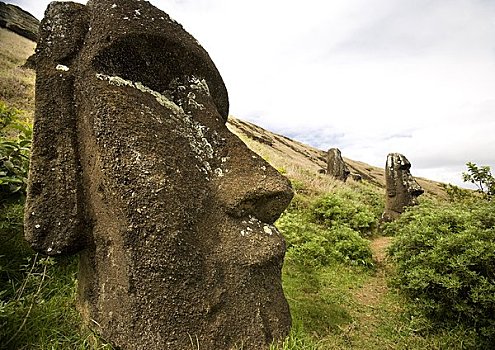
x: 372, y: 292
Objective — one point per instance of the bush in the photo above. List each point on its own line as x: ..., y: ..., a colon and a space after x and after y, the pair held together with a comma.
x: 15, y: 143
x: 311, y: 244
x: 445, y: 257
x: 359, y: 210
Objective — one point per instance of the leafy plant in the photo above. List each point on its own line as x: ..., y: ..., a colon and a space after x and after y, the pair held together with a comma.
x: 312, y: 244
x: 457, y: 194
x: 346, y: 207
x: 481, y: 177
x: 445, y: 258
x: 15, y: 143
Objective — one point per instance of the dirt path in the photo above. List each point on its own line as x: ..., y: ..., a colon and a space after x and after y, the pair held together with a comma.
x: 371, y: 293
x: 379, y: 248
x: 370, y: 299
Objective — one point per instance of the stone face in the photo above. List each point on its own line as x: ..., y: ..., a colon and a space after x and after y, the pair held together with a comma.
x: 19, y: 21
x: 133, y: 167
x: 336, y: 166
x: 401, y: 188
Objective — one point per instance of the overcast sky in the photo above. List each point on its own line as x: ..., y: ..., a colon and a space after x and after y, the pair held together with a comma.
x: 367, y: 76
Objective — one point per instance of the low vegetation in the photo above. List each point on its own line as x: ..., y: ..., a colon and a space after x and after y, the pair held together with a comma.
x: 445, y: 259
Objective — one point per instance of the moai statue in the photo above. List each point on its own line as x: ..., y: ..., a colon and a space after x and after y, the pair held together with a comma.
x: 336, y: 166
x: 402, y: 190
x: 133, y: 167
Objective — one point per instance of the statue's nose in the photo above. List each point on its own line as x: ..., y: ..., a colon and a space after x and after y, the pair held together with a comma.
x: 414, y: 188
x: 250, y: 186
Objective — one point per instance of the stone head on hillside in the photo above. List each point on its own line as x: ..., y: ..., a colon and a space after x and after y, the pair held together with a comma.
x: 336, y: 166
x: 133, y: 167
x: 401, y: 188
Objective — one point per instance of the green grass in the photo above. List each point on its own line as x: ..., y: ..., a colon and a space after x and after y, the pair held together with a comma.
x: 37, y: 294
x: 329, y: 314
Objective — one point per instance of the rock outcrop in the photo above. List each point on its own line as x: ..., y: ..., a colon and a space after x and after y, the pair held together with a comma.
x: 336, y: 166
x: 402, y: 190
x: 19, y: 21
x: 132, y: 166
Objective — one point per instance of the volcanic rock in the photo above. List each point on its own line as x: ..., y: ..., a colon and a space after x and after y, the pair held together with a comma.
x: 19, y: 21
x: 336, y: 166
x: 401, y: 188
x: 132, y: 166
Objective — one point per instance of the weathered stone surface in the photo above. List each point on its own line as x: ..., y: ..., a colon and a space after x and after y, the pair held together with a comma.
x: 19, y: 21
x: 401, y: 188
x: 336, y: 166
x: 133, y: 166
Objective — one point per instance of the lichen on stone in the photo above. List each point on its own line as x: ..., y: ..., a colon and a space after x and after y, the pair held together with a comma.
x: 62, y: 68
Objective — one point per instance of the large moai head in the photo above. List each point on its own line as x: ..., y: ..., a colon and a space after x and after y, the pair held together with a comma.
x: 336, y: 166
x: 133, y: 167
x: 401, y: 188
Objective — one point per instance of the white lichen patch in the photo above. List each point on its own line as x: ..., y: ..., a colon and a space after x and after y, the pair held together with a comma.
x: 390, y: 163
x: 62, y: 68
x: 188, y: 128
x: 219, y: 172
x: 253, y: 225
x: 267, y: 230
x: 199, y: 84
x: 191, y: 101
x: 161, y: 99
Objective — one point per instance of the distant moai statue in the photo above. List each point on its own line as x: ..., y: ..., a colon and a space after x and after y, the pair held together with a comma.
x: 336, y: 166
x: 133, y: 167
x: 401, y: 188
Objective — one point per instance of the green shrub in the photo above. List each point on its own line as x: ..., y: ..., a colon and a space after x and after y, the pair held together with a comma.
x: 457, y: 194
x: 314, y: 245
x: 481, y: 177
x: 347, y: 207
x: 445, y: 258
x: 15, y: 143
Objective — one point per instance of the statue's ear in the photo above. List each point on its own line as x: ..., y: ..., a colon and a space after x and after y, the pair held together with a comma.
x: 55, y: 212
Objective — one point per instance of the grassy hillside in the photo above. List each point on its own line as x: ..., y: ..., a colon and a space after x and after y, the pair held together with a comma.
x: 16, y: 83
x: 337, y: 277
